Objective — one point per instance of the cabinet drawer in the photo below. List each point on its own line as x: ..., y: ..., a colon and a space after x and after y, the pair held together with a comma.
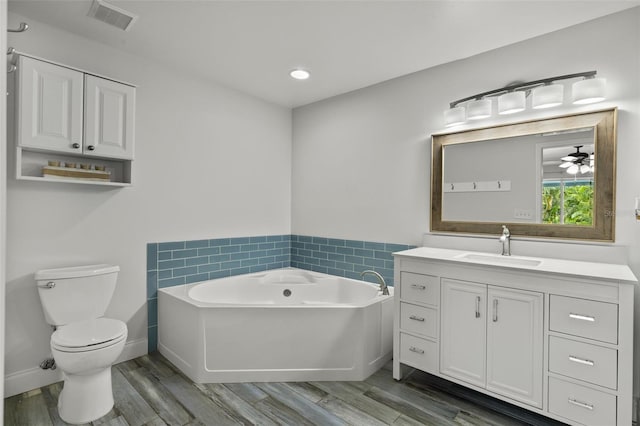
x: 585, y: 318
x: 419, y: 353
x: 419, y: 288
x: 581, y: 404
x: 418, y: 319
x: 583, y: 361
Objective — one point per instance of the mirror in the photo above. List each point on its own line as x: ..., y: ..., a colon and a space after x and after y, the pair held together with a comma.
x: 550, y: 178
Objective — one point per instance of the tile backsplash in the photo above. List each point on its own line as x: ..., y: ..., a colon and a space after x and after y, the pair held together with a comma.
x: 185, y: 262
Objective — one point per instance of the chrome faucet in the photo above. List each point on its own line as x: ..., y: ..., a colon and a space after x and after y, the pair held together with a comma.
x: 383, y: 284
x: 505, y: 239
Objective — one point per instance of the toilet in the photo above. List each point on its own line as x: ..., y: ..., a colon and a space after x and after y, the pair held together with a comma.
x: 84, y: 344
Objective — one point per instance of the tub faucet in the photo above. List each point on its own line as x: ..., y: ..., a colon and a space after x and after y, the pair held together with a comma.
x: 505, y: 239
x: 383, y: 284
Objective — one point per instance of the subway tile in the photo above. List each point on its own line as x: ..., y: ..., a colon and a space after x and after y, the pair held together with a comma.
x: 285, y: 259
x: 181, y: 254
x: 312, y: 247
x: 344, y: 250
x: 219, y: 274
x: 219, y: 258
x: 250, y: 247
x: 208, y: 251
x: 320, y: 255
x: 275, y: 238
x: 240, y: 271
x: 335, y: 242
x: 152, y: 256
x: 320, y: 240
x: 197, y: 244
x: 171, y: 264
x: 211, y: 267
x: 354, y: 244
x: 163, y: 275
x: 239, y: 256
x: 230, y: 249
x: 297, y: 245
x: 176, y: 245
x: 376, y: 263
x: 304, y: 238
x: 373, y: 246
x: 171, y: 282
x: 250, y: 262
x: 238, y: 241
x: 344, y: 266
x: 265, y: 260
x: 164, y: 255
x: 336, y: 257
x: 253, y: 240
x: 152, y: 312
x: 152, y: 284
x: 197, y: 278
x: 152, y: 339
x: 266, y: 246
x: 180, y: 272
x: 258, y: 268
x: 283, y: 244
x: 230, y: 265
x: 335, y: 271
x: 305, y: 253
x: 321, y: 269
x: 311, y: 261
x: 327, y: 248
x: 354, y: 259
x: 395, y: 247
x: 273, y: 252
x: 327, y: 263
x: 383, y: 255
x: 363, y: 252
x: 193, y: 261
x: 218, y: 242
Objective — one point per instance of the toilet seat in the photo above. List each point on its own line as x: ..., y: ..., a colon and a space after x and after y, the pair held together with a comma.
x: 89, y: 335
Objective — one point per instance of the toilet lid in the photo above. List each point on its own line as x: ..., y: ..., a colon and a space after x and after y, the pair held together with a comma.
x: 88, y: 333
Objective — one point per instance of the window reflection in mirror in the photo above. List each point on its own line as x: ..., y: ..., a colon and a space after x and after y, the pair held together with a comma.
x: 511, y: 175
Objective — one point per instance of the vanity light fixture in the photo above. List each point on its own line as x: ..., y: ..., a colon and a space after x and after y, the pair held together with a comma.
x: 547, y: 96
x: 511, y: 102
x: 299, y: 74
x: 545, y: 93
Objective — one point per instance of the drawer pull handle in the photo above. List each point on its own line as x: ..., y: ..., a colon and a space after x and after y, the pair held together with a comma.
x: 582, y: 317
x: 581, y: 360
x: 495, y: 310
x: 416, y: 350
x: 477, y: 306
x: 580, y: 404
x: 415, y: 318
x: 419, y: 286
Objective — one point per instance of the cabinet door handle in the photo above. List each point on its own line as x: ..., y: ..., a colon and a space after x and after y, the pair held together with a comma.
x: 582, y: 317
x: 416, y: 318
x: 580, y: 404
x: 477, y: 306
x: 495, y: 310
x: 418, y: 286
x: 91, y: 147
x: 581, y: 360
x: 75, y: 145
x: 416, y: 350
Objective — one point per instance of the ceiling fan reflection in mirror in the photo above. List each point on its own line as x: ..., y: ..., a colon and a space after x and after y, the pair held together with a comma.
x: 578, y: 162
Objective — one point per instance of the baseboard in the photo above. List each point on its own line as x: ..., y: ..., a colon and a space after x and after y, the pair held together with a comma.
x: 33, y: 378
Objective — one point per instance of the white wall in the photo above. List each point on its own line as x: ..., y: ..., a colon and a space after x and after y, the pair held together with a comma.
x: 3, y: 193
x: 361, y: 161
x: 210, y: 162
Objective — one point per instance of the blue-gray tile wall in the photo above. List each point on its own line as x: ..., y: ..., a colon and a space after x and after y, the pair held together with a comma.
x: 185, y: 262
x: 345, y: 258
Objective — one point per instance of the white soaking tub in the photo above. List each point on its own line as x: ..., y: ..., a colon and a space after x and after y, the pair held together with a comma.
x: 279, y: 325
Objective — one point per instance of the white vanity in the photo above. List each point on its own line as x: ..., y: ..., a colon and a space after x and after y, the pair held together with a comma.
x: 552, y: 336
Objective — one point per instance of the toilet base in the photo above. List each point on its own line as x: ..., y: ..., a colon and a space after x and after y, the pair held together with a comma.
x: 87, y: 397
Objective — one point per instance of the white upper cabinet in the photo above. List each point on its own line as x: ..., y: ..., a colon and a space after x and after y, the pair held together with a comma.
x: 109, y: 118
x: 66, y: 110
x: 50, y: 107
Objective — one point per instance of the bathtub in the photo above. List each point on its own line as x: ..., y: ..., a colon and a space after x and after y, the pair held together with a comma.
x: 276, y: 326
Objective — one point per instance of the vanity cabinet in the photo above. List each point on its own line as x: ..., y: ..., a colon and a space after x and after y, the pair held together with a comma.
x: 504, y: 328
x: 555, y: 338
x: 68, y: 115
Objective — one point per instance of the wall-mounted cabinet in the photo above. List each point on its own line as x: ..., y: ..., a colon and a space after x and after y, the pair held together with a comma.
x: 72, y: 118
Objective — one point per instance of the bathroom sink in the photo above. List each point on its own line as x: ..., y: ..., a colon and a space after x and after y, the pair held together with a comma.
x: 500, y: 260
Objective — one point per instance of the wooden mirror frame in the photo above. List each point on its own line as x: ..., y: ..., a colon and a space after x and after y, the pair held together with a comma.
x: 603, y: 227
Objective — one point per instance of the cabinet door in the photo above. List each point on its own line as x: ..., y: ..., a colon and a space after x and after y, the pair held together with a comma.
x: 109, y: 118
x: 50, y: 106
x: 514, y: 344
x: 463, y: 333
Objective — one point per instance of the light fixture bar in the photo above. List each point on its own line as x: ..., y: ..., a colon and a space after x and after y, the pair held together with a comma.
x: 523, y: 86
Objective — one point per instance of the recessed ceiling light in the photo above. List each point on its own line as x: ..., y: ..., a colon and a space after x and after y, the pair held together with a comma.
x: 299, y: 74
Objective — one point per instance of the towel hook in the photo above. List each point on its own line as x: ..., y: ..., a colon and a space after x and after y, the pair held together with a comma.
x: 22, y: 28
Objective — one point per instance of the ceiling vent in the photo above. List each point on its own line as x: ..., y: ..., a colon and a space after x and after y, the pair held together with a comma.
x: 112, y: 15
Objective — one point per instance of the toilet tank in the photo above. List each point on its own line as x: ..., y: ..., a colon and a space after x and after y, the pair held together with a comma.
x: 76, y: 293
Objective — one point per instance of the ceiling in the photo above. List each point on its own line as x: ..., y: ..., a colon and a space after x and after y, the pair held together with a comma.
x: 346, y: 45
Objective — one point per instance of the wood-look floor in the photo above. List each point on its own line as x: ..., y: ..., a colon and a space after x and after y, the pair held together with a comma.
x: 150, y: 391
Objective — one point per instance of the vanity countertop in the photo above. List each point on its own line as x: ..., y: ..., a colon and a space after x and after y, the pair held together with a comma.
x: 608, y: 271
